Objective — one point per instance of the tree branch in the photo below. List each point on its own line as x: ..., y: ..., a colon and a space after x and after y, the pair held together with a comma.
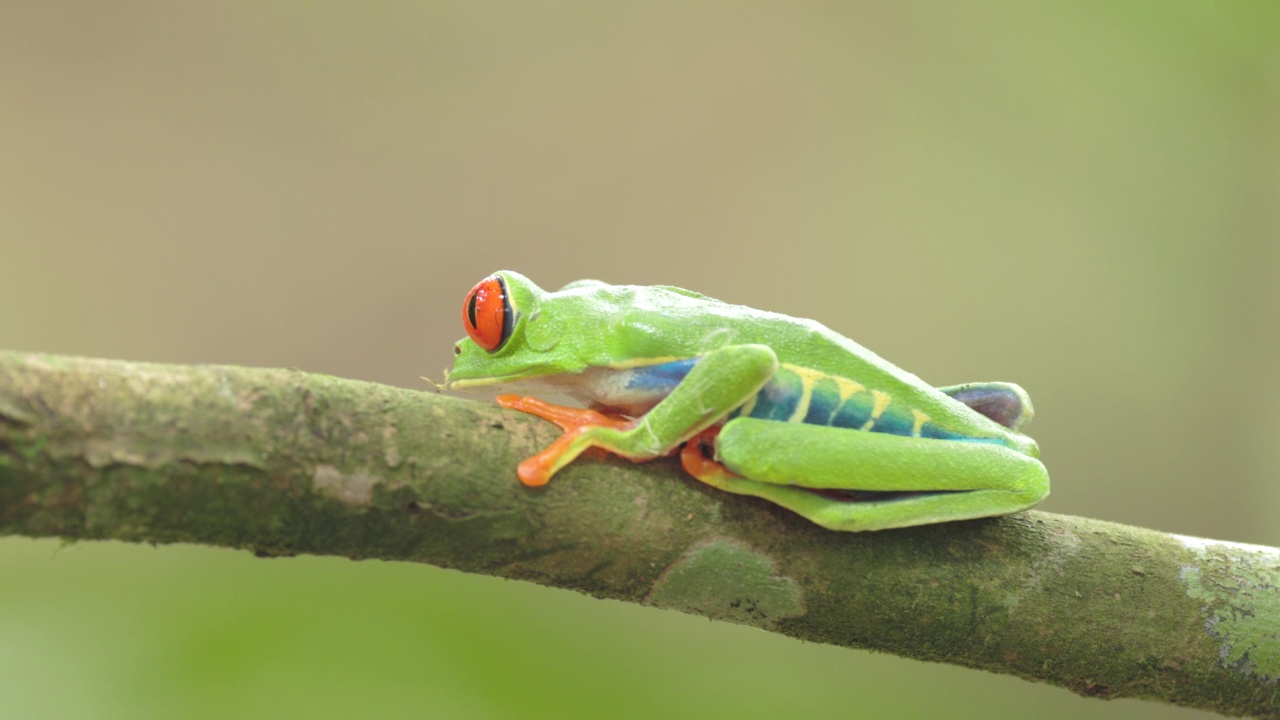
x: 283, y: 462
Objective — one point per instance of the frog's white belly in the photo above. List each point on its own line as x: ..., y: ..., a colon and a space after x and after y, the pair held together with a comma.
x: 630, y: 391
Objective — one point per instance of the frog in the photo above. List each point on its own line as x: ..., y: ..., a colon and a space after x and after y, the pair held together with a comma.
x: 754, y: 402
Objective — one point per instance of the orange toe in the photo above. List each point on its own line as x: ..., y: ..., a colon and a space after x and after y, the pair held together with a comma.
x: 536, y: 470
x: 697, y: 464
x: 533, y: 473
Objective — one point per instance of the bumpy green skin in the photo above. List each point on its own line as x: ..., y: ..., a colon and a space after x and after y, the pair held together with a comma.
x: 588, y: 327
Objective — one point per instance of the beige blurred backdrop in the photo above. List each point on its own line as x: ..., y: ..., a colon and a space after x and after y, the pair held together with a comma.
x: 1083, y: 198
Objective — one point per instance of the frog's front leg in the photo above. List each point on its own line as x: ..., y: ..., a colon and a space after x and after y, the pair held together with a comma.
x: 722, y: 380
x: 537, y: 470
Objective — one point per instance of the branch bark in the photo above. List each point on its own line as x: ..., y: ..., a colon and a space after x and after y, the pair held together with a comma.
x: 283, y: 462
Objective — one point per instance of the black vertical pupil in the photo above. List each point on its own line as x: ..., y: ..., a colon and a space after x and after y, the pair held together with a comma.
x: 471, y: 308
x: 508, y: 317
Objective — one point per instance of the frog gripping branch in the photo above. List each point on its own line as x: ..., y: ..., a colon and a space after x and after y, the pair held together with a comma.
x: 756, y: 403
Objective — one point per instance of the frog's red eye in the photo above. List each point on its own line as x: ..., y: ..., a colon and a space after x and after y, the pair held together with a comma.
x: 487, y: 314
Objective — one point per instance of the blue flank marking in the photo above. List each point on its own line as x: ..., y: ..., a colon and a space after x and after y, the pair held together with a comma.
x: 657, y: 378
x: 779, y: 397
x: 933, y: 431
x: 854, y: 412
x: 823, y: 403
x: 894, y: 423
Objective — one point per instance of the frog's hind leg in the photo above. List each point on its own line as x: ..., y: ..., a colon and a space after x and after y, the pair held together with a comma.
x: 695, y: 461
x: 856, y: 480
x: 1005, y: 403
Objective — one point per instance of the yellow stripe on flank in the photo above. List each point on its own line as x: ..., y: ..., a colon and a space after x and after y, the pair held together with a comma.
x: 880, y: 401
x: 644, y: 362
x: 921, y: 419
x: 847, y: 387
x: 748, y: 406
x: 806, y: 394
x: 809, y: 378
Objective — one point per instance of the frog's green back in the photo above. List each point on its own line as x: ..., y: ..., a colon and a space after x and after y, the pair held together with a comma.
x: 822, y: 375
x: 591, y: 324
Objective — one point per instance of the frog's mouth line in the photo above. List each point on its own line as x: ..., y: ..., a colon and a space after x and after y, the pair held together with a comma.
x: 471, y: 383
x: 530, y: 379
x: 526, y: 379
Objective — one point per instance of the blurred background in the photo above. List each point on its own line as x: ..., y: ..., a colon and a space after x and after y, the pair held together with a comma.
x: 1083, y: 198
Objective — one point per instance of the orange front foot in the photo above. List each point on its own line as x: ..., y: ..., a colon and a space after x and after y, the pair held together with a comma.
x: 536, y: 471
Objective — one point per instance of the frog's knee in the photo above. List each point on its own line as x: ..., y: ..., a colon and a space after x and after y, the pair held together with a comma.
x: 745, y: 360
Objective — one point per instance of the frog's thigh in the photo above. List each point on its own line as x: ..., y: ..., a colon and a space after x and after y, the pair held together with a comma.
x: 1005, y: 403
x: 968, y: 479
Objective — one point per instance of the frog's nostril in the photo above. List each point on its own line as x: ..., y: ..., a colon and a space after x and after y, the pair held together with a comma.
x: 457, y: 349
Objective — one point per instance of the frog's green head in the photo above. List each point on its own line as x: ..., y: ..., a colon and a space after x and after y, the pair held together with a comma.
x: 507, y: 337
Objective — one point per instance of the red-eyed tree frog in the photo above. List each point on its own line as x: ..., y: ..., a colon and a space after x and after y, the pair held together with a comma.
x: 763, y: 404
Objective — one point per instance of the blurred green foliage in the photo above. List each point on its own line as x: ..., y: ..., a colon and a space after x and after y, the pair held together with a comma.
x: 1080, y: 197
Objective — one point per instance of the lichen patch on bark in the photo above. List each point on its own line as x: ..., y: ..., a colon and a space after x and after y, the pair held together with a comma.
x: 355, y: 489
x: 727, y: 580
x: 1240, y: 600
